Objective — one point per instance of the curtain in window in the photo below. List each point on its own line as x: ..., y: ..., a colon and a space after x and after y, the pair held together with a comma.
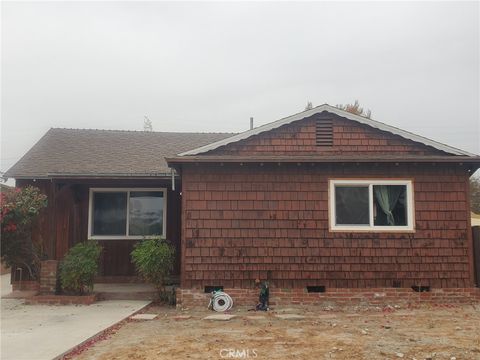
x: 387, y: 197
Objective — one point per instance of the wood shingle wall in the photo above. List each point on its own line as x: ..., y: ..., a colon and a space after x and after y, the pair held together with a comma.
x: 271, y: 222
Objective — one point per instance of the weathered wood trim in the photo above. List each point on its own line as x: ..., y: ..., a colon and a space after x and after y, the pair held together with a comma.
x: 471, y: 258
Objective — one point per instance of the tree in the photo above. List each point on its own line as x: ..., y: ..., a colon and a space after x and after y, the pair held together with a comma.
x: 475, y: 194
x: 19, y: 208
x: 356, y: 109
x: 147, y: 124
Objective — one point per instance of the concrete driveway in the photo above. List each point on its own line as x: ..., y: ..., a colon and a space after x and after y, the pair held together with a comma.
x: 37, y: 332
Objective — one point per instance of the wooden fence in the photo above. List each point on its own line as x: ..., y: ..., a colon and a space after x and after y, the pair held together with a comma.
x: 476, y: 253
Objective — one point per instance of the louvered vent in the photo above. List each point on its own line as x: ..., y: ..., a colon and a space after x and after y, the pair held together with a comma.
x: 324, y: 132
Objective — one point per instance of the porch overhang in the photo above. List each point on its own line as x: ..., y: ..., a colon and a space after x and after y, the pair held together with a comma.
x: 112, y: 176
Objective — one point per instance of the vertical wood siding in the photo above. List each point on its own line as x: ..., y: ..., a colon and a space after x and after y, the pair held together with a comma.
x: 64, y: 222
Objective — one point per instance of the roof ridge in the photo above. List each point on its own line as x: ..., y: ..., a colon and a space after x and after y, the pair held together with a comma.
x: 141, y: 131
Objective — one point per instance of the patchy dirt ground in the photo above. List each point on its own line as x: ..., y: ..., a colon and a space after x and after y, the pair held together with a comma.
x: 440, y: 332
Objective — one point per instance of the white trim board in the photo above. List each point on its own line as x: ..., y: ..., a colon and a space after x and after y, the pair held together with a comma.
x: 333, y: 110
x: 371, y: 227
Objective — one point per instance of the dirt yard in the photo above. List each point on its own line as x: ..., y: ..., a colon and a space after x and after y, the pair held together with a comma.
x: 441, y: 332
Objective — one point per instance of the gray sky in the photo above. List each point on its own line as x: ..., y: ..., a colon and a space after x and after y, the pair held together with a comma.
x: 210, y: 66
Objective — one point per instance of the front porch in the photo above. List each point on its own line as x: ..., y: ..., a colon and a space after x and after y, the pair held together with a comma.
x: 125, y: 291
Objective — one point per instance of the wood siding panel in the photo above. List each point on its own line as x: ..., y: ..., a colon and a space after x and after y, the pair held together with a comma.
x: 247, y: 222
x: 43, y: 229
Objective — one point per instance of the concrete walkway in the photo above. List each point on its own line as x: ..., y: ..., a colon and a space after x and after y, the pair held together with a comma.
x: 37, y: 332
x: 6, y: 288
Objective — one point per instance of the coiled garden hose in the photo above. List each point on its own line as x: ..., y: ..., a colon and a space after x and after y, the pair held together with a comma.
x: 220, y: 301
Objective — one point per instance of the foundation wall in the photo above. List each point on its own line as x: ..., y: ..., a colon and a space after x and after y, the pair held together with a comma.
x: 336, y: 297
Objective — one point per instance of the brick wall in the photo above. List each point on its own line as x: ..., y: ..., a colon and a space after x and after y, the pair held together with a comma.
x: 336, y: 297
x: 271, y: 222
x: 349, y: 137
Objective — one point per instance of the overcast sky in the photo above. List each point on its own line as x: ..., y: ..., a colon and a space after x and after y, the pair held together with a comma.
x: 210, y: 66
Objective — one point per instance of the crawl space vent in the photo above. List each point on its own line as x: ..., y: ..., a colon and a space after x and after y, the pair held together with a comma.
x: 210, y: 289
x: 419, y: 288
x: 316, y: 289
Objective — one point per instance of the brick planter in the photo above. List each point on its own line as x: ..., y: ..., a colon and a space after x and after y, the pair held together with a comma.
x: 28, y: 285
x: 48, y: 276
x: 62, y: 299
x: 336, y: 297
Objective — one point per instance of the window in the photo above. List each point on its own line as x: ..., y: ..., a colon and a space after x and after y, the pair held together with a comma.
x: 126, y: 213
x: 371, y: 205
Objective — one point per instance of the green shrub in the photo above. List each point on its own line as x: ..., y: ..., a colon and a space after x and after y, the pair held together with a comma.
x: 79, y: 267
x: 19, y: 208
x: 153, y: 259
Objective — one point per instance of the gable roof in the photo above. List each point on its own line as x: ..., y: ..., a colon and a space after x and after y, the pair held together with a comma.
x: 103, y: 153
x: 333, y: 110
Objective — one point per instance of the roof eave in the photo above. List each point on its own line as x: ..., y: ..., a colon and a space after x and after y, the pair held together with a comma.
x: 318, y: 159
x: 90, y: 176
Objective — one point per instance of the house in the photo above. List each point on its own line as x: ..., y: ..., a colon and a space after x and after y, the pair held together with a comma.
x: 321, y: 201
x: 475, y: 219
x: 3, y: 268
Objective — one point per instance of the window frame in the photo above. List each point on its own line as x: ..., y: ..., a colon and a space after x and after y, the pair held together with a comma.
x: 371, y: 227
x: 126, y: 236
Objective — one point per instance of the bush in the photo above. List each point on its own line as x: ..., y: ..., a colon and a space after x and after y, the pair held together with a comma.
x: 153, y: 260
x: 79, y: 267
x: 18, y: 209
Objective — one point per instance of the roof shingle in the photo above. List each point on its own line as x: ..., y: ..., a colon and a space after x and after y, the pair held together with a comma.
x: 88, y: 152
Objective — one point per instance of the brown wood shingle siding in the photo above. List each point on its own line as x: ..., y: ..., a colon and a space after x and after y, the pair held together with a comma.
x: 271, y: 222
x: 302, y: 138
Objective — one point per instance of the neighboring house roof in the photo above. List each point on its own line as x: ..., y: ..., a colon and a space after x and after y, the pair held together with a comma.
x: 333, y: 110
x: 4, y: 187
x: 103, y: 153
x: 475, y: 219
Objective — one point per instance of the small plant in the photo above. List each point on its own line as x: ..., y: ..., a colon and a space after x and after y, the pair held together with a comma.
x: 79, y: 267
x: 153, y: 259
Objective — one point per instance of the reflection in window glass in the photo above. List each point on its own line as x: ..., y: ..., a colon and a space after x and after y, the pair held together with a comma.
x: 351, y: 205
x: 109, y: 213
x: 146, y: 213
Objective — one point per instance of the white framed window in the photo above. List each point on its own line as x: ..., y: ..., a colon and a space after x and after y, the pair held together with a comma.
x: 126, y: 213
x: 371, y: 205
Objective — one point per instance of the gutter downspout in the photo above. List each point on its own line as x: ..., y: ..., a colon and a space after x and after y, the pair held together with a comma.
x: 172, y: 171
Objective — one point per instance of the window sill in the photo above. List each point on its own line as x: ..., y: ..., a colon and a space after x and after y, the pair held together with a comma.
x: 372, y: 230
x: 101, y: 238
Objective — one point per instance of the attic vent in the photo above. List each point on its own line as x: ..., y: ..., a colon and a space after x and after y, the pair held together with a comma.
x: 324, y: 132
